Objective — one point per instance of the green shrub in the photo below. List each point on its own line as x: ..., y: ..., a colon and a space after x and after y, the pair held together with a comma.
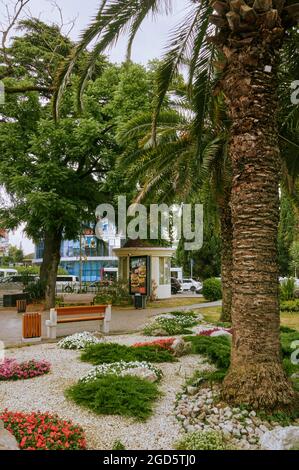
x: 112, y: 395
x: 118, y: 445
x: 216, y: 348
x: 212, y: 289
x: 116, y: 293
x: 36, y: 290
x: 209, y: 440
x: 107, y: 353
x: 289, y: 306
x: 286, y: 340
x: 171, y: 324
x: 287, y: 289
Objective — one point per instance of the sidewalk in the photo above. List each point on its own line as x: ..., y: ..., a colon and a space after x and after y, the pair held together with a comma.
x: 123, y: 321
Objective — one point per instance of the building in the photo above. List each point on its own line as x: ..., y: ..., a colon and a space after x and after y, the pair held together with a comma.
x: 90, y: 256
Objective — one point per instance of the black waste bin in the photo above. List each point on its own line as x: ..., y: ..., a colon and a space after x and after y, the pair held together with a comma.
x: 10, y: 300
x: 139, y: 301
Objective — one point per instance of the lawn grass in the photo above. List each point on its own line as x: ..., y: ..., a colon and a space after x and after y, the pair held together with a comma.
x: 168, y: 303
x: 212, y: 315
x: 107, y: 353
x: 112, y: 395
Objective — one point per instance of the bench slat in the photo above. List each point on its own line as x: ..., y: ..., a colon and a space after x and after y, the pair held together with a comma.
x: 81, y: 310
x: 79, y: 319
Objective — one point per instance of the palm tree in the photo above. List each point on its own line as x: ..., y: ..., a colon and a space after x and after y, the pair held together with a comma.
x: 172, y: 171
x: 249, y: 35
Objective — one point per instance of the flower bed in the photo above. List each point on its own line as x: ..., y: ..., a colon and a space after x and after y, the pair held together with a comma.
x: 10, y: 369
x: 140, y: 369
x: 163, y: 343
x: 212, y: 331
x: 170, y: 324
x: 42, y: 431
x: 78, y: 341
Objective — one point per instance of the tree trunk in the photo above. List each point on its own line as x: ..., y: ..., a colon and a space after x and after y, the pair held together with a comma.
x: 50, y: 264
x: 256, y: 375
x: 226, y: 256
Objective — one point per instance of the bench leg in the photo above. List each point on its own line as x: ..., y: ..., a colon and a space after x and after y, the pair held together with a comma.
x: 51, y: 331
x: 107, y: 319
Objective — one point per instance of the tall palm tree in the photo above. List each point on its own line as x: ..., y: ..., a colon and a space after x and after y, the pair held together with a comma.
x: 249, y: 34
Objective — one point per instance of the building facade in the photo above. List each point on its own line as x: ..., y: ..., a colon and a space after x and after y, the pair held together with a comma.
x: 89, y: 256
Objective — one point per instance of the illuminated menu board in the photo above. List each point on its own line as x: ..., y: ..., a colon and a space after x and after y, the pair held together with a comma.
x: 139, y: 274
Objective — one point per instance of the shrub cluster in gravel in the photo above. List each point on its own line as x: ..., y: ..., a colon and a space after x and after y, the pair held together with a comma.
x: 43, y: 431
x: 107, y: 353
x: 121, y: 369
x: 209, y: 440
x: 113, y: 395
x: 175, y: 323
x: 78, y: 341
x: 10, y: 369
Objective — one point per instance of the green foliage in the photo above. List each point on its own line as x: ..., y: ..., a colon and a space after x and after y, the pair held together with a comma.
x: 217, y: 349
x: 212, y: 289
x: 209, y: 440
x: 289, y: 306
x: 15, y: 255
x: 177, y: 324
x: 116, y: 293
x: 112, y: 395
x: 287, y: 289
x: 118, y: 445
x: 107, y: 353
x: 36, y: 290
x: 286, y: 233
x: 286, y: 340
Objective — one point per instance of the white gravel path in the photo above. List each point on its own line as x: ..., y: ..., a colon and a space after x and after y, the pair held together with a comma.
x: 47, y: 394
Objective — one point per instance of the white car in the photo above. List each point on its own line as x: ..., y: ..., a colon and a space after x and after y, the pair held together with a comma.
x: 190, y: 284
x: 68, y: 284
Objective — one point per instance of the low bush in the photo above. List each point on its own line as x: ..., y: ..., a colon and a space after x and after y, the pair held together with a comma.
x: 10, y: 369
x: 287, y: 289
x: 118, y: 445
x: 107, y: 353
x: 43, y: 431
x: 174, y: 323
x: 35, y: 290
x: 290, y: 306
x: 209, y: 440
x: 212, y: 289
x: 116, y: 293
x: 217, y: 349
x: 112, y: 395
x: 78, y: 341
x: 143, y: 370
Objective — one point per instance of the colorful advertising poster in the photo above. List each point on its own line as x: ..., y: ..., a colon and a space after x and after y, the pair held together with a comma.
x: 138, y: 275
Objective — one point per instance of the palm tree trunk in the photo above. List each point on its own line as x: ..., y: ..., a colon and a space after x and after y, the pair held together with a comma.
x: 256, y: 376
x: 226, y: 256
x: 50, y: 264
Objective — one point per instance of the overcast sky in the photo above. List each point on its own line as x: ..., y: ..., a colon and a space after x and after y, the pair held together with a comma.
x: 149, y: 42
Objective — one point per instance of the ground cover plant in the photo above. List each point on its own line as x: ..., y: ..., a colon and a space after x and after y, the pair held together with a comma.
x: 209, y: 440
x: 78, y: 341
x: 43, y: 431
x: 121, y: 369
x: 113, y: 395
x: 10, y: 369
x: 170, y: 324
x: 218, y: 350
x: 107, y: 353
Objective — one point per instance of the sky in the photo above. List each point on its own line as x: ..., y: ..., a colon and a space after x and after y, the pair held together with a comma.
x: 149, y: 43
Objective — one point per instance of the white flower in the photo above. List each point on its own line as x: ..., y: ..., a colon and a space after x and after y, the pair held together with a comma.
x: 78, y: 341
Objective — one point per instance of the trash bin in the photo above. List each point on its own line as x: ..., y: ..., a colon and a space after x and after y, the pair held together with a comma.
x: 139, y: 301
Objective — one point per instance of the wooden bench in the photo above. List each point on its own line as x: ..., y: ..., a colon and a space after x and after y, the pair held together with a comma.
x: 60, y: 315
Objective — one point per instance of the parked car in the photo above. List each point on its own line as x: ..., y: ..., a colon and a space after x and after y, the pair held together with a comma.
x: 19, y: 279
x: 67, y: 283
x: 175, y: 285
x: 191, y: 284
